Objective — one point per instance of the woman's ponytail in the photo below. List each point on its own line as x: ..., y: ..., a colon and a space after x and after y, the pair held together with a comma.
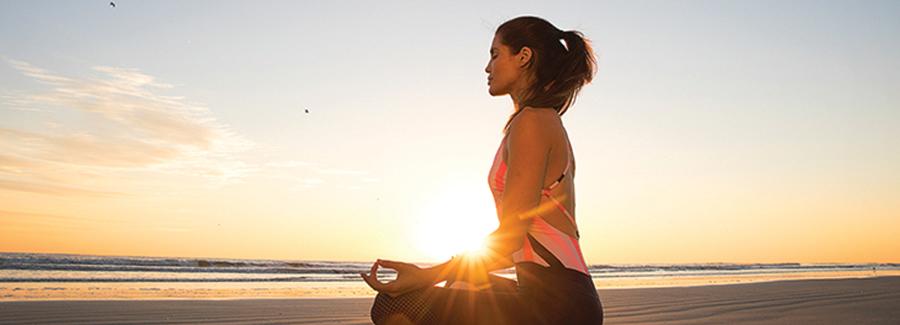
x: 577, y: 66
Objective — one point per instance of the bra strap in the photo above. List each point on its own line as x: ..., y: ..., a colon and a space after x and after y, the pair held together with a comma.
x: 565, y: 171
x: 559, y: 205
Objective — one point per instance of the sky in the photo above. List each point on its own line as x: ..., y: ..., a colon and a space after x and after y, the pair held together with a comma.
x: 714, y: 131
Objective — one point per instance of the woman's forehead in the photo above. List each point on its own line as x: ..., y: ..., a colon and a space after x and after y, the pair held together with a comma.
x: 496, y: 46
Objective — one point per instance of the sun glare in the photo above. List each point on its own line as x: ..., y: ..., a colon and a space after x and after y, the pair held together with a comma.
x: 457, y: 220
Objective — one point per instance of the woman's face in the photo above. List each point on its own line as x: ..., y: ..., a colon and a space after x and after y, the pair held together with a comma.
x: 505, y: 68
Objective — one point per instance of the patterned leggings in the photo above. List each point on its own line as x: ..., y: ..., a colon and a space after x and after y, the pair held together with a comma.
x: 542, y: 295
x: 568, y: 298
x: 439, y: 305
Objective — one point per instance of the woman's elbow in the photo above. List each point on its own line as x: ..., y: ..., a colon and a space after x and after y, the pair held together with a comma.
x: 507, y: 240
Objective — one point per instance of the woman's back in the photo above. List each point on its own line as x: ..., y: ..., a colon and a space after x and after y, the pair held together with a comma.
x: 560, y: 158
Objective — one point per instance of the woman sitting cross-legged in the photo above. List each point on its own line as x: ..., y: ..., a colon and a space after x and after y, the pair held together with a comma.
x: 542, y: 69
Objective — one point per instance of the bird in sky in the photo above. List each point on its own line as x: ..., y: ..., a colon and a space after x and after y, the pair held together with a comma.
x: 306, y: 110
x: 112, y: 4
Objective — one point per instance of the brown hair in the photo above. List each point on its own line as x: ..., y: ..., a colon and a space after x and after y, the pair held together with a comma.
x: 557, y: 72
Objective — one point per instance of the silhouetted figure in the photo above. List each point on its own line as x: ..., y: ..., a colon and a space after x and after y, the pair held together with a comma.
x: 556, y: 284
x: 306, y: 110
x: 112, y: 4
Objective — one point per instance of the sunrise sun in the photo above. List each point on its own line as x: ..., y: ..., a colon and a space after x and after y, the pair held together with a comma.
x: 456, y: 220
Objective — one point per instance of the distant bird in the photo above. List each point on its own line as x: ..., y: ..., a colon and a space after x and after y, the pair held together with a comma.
x: 306, y: 110
x: 112, y: 4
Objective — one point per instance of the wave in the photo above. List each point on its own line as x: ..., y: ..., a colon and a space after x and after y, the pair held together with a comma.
x: 65, y: 262
x: 92, y: 268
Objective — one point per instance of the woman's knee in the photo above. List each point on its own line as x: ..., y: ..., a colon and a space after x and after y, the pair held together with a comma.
x: 380, y: 308
x: 389, y: 310
x: 409, y: 308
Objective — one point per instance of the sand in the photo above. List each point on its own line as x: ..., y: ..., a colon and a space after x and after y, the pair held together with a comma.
x: 873, y: 300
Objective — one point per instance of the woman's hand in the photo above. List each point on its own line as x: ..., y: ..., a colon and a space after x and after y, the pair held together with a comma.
x: 409, y: 277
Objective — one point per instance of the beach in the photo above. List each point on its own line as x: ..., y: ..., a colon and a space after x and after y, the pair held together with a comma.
x: 698, y: 162
x: 869, y: 300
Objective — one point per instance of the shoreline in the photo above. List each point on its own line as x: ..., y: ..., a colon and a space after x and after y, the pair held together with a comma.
x: 872, y: 300
x: 716, y: 280
x: 93, y: 291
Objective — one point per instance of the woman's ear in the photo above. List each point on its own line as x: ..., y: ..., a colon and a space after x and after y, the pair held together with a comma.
x: 524, y: 56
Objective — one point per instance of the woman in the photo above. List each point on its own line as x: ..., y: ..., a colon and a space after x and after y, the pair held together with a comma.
x: 537, y: 232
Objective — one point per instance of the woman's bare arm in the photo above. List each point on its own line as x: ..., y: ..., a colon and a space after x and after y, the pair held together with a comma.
x: 529, y: 144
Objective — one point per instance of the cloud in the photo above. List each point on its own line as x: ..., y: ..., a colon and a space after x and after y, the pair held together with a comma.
x: 31, y: 220
x: 133, y: 127
x: 18, y: 102
x: 49, y: 218
x: 126, y: 97
x: 289, y: 164
x: 128, y: 125
x: 85, y: 149
x: 52, y: 189
x: 37, y: 73
x: 335, y: 171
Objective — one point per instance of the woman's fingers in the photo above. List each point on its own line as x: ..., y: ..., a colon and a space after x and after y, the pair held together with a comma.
x: 372, y: 278
x: 398, y: 286
x: 372, y: 282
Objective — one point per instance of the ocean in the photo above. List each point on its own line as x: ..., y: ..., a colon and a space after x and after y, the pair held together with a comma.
x: 69, y: 276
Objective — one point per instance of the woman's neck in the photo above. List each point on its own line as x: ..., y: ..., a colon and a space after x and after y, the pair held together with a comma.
x: 516, y: 101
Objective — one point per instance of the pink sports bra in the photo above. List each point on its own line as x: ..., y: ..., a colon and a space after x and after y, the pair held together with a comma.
x: 561, y: 245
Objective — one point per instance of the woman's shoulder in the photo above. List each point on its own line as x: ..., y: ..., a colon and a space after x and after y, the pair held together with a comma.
x: 532, y: 119
x: 535, y: 126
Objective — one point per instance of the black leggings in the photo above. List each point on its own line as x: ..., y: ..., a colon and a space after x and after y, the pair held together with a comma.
x: 542, y: 295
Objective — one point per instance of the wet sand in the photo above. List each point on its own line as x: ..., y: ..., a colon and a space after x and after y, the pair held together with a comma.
x: 873, y: 300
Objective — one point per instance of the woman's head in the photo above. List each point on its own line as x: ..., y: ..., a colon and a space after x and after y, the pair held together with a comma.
x: 530, y: 62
